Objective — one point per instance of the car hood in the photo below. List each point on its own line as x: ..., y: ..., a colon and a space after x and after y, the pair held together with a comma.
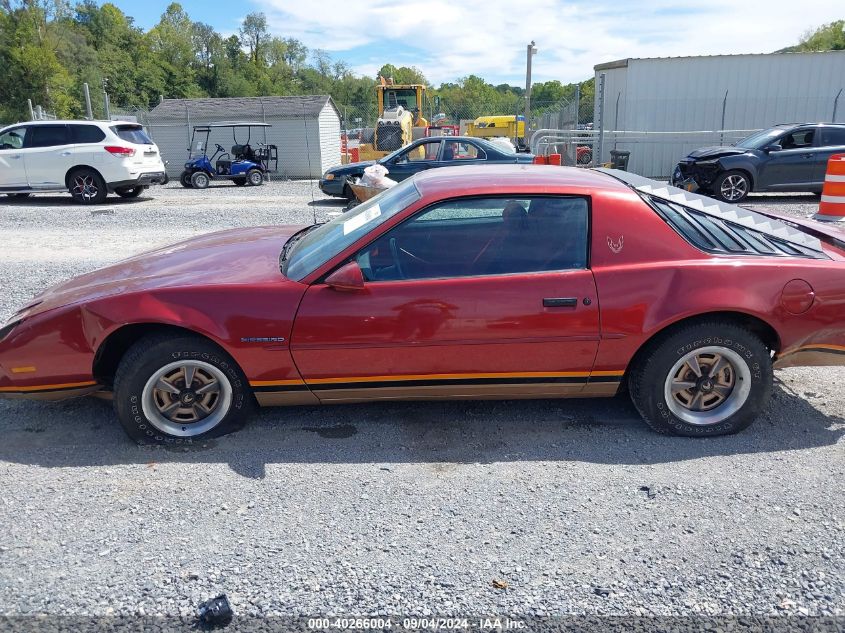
x: 351, y: 168
x: 716, y: 151
x: 236, y: 256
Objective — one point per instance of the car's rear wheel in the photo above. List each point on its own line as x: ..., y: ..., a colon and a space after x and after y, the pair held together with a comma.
x: 87, y: 186
x: 130, y: 192
x: 732, y: 186
x: 200, y: 180
x: 185, y: 179
x: 707, y: 379
x: 254, y: 177
x: 179, y: 389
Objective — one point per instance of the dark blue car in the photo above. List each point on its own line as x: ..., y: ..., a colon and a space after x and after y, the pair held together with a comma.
x: 781, y: 158
x: 425, y: 153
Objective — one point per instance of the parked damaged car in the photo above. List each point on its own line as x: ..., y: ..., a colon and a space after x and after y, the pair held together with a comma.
x: 781, y: 158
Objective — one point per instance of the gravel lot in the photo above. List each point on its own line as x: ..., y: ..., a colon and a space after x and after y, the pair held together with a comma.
x: 574, y: 507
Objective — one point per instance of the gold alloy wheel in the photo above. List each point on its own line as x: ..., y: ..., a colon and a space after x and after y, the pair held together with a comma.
x: 186, y: 398
x: 707, y: 385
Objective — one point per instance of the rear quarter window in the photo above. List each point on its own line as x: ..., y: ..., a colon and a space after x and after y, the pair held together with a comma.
x: 132, y: 134
x: 86, y: 134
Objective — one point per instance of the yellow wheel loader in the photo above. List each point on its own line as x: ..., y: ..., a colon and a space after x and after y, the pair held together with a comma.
x: 400, y: 119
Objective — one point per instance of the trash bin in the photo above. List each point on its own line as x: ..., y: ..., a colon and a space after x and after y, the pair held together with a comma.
x: 619, y: 159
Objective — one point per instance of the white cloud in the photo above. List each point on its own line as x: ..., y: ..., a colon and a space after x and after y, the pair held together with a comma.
x: 489, y: 37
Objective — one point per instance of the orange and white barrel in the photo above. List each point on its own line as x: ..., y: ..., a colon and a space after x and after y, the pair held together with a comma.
x: 832, y: 204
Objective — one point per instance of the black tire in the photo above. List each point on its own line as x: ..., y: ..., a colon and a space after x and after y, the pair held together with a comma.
x: 255, y: 178
x: 87, y: 186
x: 662, y: 365
x: 200, y: 180
x: 732, y: 186
x: 185, y: 179
x: 19, y: 196
x: 154, y: 353
x: 585, y: 159
x: 132, y: 192
x: 240, y: 182
x: 348, y: 193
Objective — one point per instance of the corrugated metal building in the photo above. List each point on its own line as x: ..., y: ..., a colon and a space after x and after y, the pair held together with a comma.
x: 306, y: 129
x: 720, y: 92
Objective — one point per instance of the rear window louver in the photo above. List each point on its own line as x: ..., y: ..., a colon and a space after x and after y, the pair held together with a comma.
x: 719, y: 227
x: 716, y: 235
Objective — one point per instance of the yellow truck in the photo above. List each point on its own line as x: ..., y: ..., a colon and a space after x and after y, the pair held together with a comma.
x: 507, y: 125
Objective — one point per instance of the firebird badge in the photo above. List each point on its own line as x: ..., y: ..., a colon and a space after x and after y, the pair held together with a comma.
x: 616, y: 246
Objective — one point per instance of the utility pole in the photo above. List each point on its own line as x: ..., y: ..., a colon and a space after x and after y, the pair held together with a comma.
x: 88, y: 111
x: 106, y: 98
x: 531, y: 52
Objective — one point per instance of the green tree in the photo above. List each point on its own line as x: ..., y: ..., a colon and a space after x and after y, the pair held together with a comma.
x: 253, y: 34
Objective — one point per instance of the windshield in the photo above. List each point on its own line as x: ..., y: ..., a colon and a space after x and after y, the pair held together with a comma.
x: 327, y: 240
x: 759, y: 140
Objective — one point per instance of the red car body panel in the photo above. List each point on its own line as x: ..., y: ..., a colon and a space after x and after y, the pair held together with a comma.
x: 491, y: 336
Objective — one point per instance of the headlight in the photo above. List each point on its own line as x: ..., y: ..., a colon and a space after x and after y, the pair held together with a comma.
x: 328, y: 176
x: 7, y: 329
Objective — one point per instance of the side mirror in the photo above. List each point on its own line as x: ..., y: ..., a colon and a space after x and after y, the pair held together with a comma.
x: 772, y: 148
x: 347, y: 278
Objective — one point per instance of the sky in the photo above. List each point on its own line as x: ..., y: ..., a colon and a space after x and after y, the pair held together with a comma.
x: 451, y: 39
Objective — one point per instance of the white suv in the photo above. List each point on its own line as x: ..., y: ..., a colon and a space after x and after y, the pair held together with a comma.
x: 89, y: 159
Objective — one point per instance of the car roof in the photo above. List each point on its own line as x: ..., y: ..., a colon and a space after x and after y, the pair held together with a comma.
x: 73, y: 121
x: 501, y: 179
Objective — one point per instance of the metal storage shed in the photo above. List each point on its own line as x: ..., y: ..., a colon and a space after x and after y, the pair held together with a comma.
x: 707, y: 93
x: 306, y: 129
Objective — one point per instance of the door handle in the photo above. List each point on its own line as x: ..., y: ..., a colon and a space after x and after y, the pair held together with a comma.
x: 560, y: 302
x: 65, y: 154
x: 15, y: 157
x: 806, y: 155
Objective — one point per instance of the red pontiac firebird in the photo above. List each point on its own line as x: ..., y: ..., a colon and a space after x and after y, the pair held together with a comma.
x: 496, y: 282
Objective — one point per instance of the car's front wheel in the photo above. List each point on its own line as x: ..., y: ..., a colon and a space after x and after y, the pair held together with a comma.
x: 179, y: 389
x: 185, y: 179
x: 732, y: 186
x: 706, y: 379
x: 87, y: 186
x: 200, y: 180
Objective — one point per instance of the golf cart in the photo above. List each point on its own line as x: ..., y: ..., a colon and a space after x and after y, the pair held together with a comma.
x: 244, y: 165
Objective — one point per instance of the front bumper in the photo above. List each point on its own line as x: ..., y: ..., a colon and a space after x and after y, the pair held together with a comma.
x: 692, y: 176
x: 143, y: 180
x: 333, y: 187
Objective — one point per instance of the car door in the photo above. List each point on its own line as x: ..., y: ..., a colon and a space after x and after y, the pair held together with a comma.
x: 457, y: 152
x: 12, y: 164
x: 793, y: 166
x: 48, y: 156
x: 481, y: 297
x: 832, y: 142
x: 416, y: 158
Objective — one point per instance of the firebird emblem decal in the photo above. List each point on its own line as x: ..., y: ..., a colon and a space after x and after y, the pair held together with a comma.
x: 616, y: 246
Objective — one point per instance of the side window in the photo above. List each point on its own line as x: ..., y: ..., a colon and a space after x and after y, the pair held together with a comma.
x: 833, y: 136
x: 86, y: 134
x: 798, y: 139
x: 424, y: 151
x: 455, y: 150
x: 13, y: 139
x: 47, y: 136
x: 482, y: 236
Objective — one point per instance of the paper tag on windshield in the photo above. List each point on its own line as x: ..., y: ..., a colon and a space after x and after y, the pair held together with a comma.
x: 361, y: 219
